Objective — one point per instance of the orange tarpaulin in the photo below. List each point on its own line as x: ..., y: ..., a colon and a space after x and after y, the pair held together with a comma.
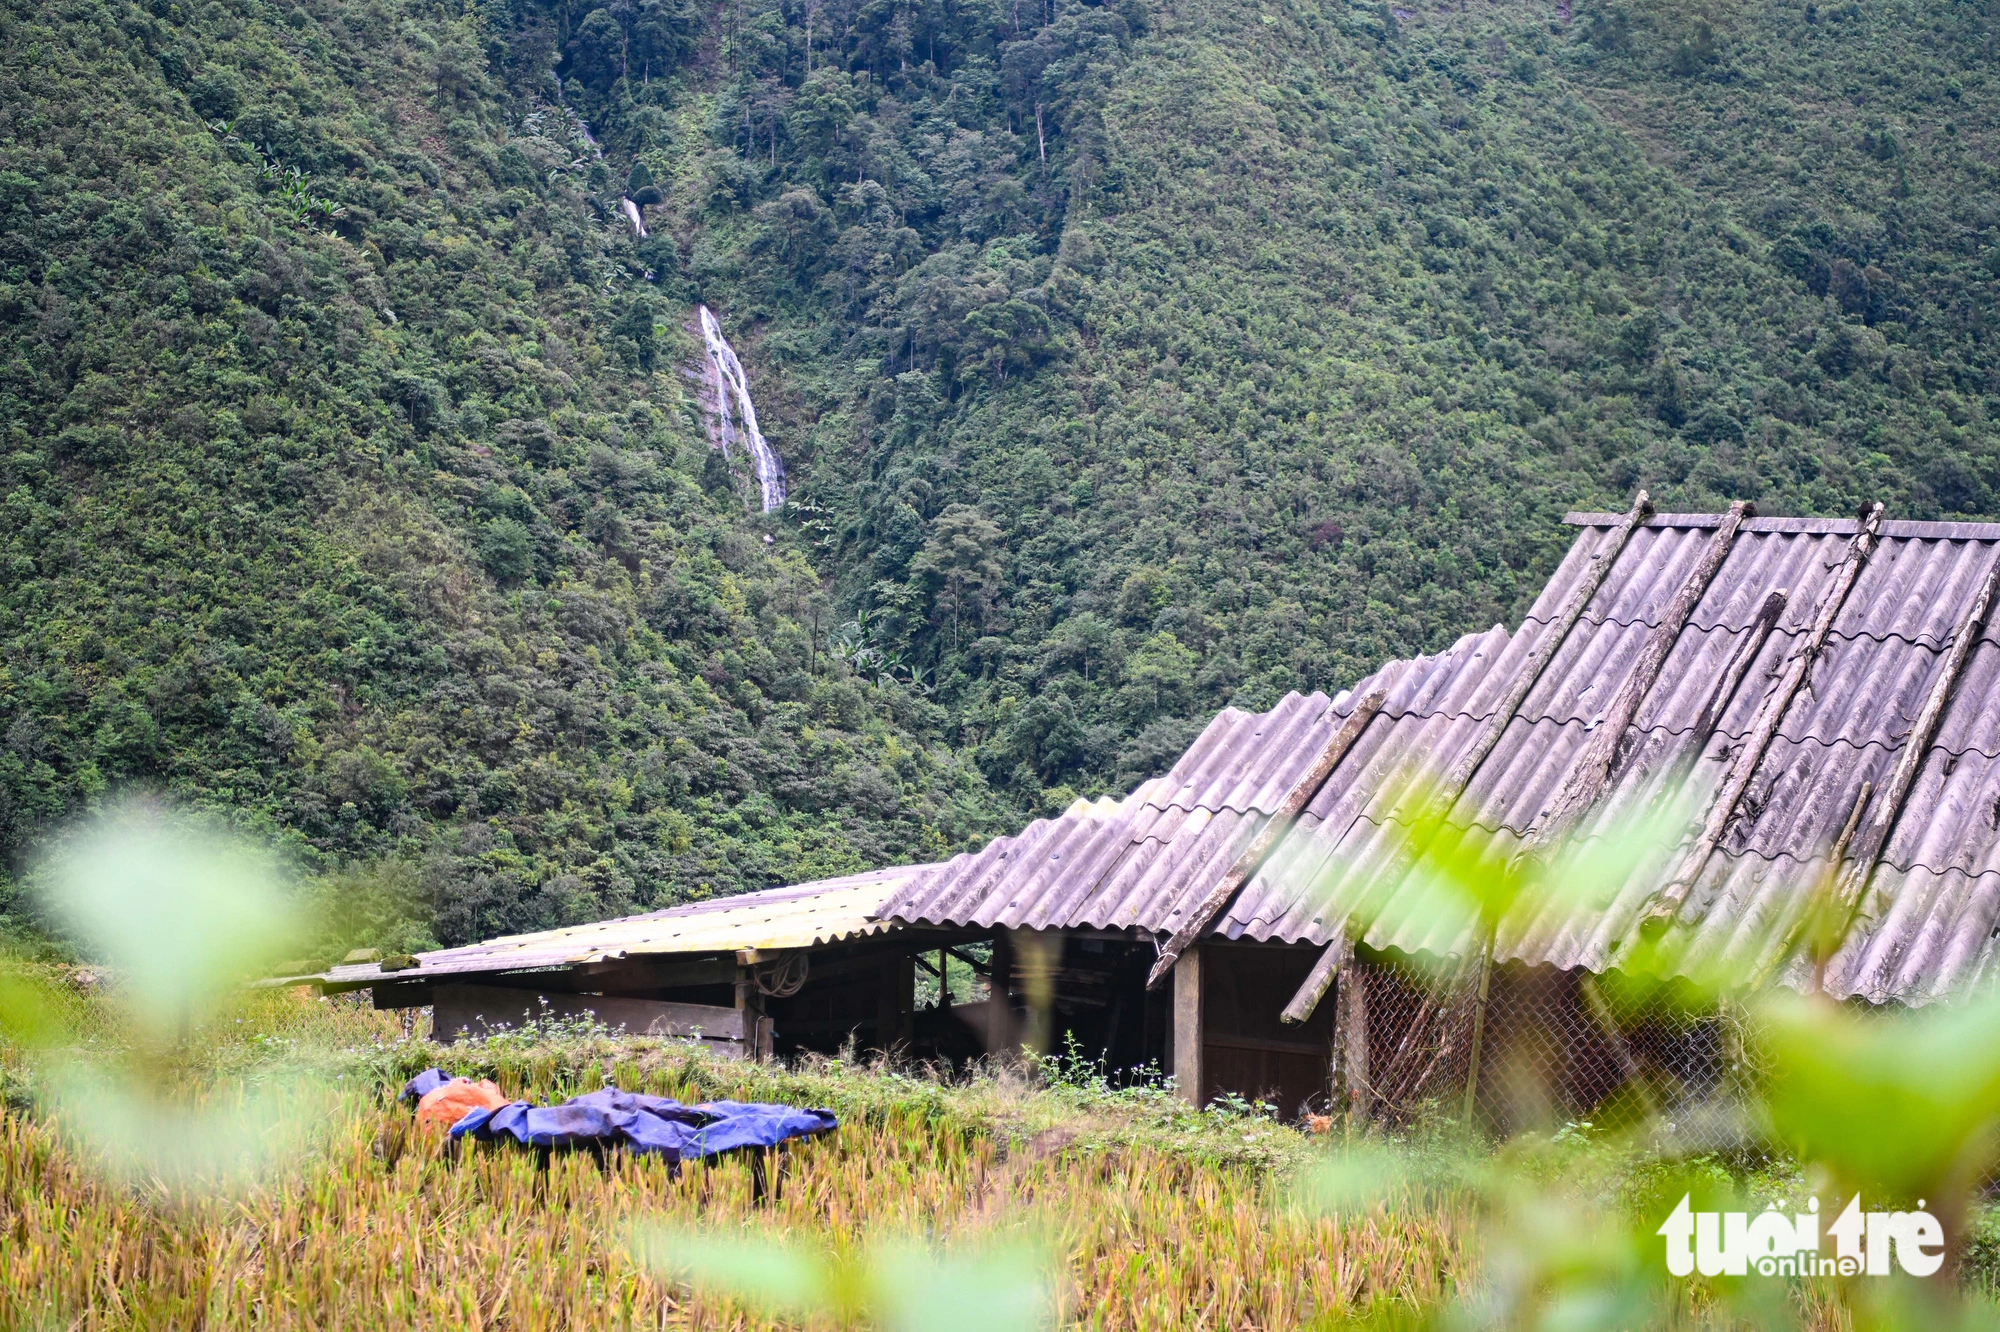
x: 455, y: 1099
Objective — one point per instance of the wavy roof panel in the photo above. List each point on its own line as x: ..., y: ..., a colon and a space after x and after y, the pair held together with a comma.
x: 1144, y: 860
x: 798, y: 916
x: 1926, y: 924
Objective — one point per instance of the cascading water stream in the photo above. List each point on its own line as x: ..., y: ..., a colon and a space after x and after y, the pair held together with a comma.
x: 735, y: 415
x: 631, y: 210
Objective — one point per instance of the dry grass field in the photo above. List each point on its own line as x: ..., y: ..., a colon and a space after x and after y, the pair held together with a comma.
x: 1146, y: 1214
x: 1156, y: 1217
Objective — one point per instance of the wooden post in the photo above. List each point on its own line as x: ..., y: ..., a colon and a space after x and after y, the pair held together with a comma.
x: 750, y: 1003
x: 999, y: 1004
x: 1478, y: 1029
x: 906, y: 998
x: 1770, y: 716
x: 1352, y: 1090
x: 1467, y: 764
x: 890, y: 1004
x: 1187, y: 1027
x: 1339, y: 1073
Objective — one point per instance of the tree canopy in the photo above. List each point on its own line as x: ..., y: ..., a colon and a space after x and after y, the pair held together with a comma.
x: 1128, y: 360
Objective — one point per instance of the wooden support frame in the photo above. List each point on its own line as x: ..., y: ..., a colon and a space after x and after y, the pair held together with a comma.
x: 1770, y: 716
x: 1466, y: 767
x: 1187, y: 1027
x: 656, y: 973
x: 1478, y: 1046
x: 1591, y: 770
x: 972, y: 963
x: 1869, y: 843
x: 1275, y: 827
x: 906, y: 998
x: 758, y: 1036
x: 1352, y: 1091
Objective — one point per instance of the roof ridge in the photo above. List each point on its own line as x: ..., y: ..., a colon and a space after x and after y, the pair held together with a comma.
x: 1539, y: 718
x: 1891, y: 529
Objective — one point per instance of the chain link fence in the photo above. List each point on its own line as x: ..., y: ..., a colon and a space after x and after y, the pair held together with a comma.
x: 1546, y: 1049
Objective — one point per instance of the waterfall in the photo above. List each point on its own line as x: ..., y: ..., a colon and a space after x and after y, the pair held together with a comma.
x: 626, y: 206
x: 735, y: 415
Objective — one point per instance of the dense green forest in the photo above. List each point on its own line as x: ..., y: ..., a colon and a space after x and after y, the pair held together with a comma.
x: 1129, y: 359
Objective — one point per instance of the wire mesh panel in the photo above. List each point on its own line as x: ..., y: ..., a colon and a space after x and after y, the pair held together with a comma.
x: 1552, y: 1048
x: 1403, y: 1041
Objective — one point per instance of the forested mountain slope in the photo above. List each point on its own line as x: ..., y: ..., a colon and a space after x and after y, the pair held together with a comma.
x: 1315, y: 317
x: 1128, y: 360
x: 395, y: 531
x: 1327, y: 314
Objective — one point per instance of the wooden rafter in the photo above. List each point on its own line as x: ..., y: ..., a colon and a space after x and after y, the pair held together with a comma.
x: 1591, y: 771
x: 1770, y: 715
x: 1289, y: 808
x: 1463, y: 770
x: 1868, y: 844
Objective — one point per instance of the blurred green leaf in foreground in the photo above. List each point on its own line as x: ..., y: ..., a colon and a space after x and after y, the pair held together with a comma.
x: 179, y: 914
x: 1900, y: 1106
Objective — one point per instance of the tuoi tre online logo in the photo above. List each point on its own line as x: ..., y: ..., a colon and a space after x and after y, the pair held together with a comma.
x: 1774, y: 1243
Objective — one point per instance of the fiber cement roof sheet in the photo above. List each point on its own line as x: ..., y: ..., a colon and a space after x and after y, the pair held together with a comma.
x: 798, y: 916
x: 1344, y: 864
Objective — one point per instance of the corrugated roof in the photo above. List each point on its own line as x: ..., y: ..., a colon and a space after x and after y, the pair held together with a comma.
x: 798, y: 916
x: 1926, y: 925
x: 1147, y: 859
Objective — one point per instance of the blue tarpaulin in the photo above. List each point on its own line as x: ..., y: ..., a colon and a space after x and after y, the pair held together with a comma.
x: 637, y: 1122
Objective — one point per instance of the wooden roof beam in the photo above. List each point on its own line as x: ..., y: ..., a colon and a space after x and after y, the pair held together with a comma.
x: 1589, y: 774
x: 1267, y: 837
x: 1462, y: 772
x: 1852, y: 885
x: 1770, y: 715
